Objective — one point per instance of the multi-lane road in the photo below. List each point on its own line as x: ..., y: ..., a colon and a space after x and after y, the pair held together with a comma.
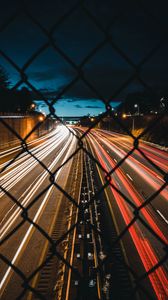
x: 30, y: 202
x: 23, y: 181
x: 137, y: 180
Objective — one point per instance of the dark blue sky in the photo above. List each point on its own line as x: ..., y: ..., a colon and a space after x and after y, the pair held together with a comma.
x: 134, y: 32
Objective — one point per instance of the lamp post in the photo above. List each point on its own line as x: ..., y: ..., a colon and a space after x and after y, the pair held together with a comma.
x: 32, y: 106
x: 125, y: 116
x: 133, y: 123
x: 137, y: 106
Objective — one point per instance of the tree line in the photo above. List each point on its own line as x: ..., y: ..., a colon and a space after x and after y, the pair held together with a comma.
x: 13, y: 100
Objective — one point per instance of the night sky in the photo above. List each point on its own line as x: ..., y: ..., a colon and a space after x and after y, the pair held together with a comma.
x: 136, y: 27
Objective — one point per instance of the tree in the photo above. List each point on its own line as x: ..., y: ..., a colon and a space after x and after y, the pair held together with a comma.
x: 145, y: 100
x: 4, y: 79
x: 23, y: 100
x: 13, y: 100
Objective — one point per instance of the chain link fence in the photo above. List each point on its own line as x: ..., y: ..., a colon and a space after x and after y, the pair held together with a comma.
x: 79, y: 69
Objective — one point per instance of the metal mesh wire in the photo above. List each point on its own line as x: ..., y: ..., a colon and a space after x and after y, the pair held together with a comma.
x: 108, y: 40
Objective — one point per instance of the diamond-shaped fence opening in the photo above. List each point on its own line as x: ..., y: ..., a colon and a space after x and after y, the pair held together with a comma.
x: 90, y: 200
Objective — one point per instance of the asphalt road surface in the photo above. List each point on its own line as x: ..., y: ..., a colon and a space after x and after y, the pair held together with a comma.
x: 29, y: 200
x: 26, y: 179
x: 133, y: 183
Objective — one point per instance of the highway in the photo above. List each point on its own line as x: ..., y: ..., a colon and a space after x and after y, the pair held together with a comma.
x: 25, y: 179
x: 137, y: 180
x: 33, y: 211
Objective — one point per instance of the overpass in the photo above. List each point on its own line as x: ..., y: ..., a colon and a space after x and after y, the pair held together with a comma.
x: 70, y: 119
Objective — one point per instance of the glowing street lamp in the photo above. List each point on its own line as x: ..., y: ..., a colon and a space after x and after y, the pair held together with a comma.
x: 137, y: 106
x: 41, y: 118
x: 124, y: 116
x: 32, y: 106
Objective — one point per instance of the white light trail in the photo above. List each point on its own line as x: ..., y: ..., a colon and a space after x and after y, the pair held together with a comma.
x: 17, y: 254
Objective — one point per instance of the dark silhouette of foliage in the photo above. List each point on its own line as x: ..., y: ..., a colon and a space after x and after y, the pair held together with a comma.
x: 13, y: 101
x: 4, y: 79
x: 146, y: 102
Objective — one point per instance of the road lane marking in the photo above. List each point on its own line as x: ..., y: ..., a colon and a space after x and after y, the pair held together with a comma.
x: 5, y: 277
x: 160, y: 178
x: 162, y: 216
x: 143, y: 253
x: 35, y: 280
x: 26, y: 167
x: 129, y: 176
x: 142, y: 170
x: 13, y: 217
x: 118, y: 185
x: 24, y: 240
x: 14, y: 205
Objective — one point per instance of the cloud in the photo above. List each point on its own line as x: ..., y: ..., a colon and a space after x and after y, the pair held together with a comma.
x: 78, y: 106
x: 88, y: 106
x: 93, y: 106
x: 106, y: 73
x: 42, y: 75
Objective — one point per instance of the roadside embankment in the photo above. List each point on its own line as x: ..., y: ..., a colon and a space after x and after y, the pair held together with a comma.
x: 157, y: 129
x: 22, y: 125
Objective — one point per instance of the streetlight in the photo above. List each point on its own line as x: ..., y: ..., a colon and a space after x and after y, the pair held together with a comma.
x: 137, y: 106
x: 41, y: 118
x: 32, y: 106
x: 124, y: 116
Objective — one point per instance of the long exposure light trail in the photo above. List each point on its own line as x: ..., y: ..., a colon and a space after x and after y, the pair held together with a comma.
x: 134, y: 195
x: 33, y: 190
x: 155, y: 154
x: 15, y: 175
x: 12, y: 150
x: 71, y: 146
x: 43, y: 144
x: 158, y: 278
x: 149, y: 175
